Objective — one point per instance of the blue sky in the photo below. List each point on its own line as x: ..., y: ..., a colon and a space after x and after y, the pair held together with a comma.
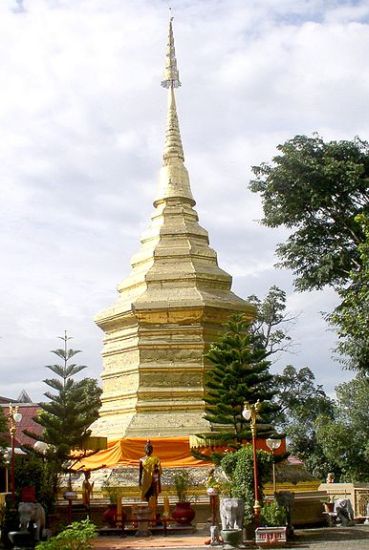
x: 83, y: 114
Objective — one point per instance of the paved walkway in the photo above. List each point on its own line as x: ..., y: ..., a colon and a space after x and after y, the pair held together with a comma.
x: 334, y: 538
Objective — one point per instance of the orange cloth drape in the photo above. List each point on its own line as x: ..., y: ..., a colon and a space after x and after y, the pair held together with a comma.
x: 174, y: 452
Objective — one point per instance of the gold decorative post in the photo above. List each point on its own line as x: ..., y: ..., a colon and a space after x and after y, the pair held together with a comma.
x: 7, y: 459
x: 251, y: 413
x: 14, y: 417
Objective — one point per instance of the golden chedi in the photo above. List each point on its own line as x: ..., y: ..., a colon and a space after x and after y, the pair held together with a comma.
x: 170, y: 308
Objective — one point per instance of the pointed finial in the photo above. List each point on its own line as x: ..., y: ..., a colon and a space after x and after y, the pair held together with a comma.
x: 173, y: 150
x: 171, y: 74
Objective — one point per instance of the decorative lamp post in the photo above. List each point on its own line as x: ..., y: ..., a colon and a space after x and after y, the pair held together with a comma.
x: 7, y: 456
x: 273, y: 445
x: 14, y: 417
x: 250, y: 413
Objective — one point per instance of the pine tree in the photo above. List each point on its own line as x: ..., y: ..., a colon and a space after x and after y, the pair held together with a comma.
x: 239, y: 372
x: 70, y: 411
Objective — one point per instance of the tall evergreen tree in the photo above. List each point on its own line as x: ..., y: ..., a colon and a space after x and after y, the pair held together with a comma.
x: 70, y: 411
x: 239, y: 372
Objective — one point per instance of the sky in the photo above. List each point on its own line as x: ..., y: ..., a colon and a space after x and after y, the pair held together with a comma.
x: 82, y: 118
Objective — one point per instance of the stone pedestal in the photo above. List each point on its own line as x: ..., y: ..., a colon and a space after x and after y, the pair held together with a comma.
x: 271, y: 537
x: 142, y: 512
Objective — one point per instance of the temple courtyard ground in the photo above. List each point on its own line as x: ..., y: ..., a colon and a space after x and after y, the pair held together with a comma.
x: 332, y: 538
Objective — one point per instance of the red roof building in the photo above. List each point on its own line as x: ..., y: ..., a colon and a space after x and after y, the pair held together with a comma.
x: 28, y: 411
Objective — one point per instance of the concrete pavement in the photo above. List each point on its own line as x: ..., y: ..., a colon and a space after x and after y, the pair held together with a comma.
x: 334, y: 538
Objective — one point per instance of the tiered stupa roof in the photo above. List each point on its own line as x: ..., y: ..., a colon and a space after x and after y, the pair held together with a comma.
x: 170, y: 308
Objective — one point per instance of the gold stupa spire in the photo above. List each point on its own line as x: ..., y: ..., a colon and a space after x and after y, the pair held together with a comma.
x: 173, y: 304
x: 171, y: 74
x: 173, y: 148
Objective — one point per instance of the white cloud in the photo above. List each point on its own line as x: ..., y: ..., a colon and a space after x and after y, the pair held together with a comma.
x: 82, y: 116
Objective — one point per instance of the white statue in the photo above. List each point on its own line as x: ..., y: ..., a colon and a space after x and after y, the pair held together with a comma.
x: 231, y: 513
x: 32, y: 512
x: 344, y: 511
x: 366, y: 522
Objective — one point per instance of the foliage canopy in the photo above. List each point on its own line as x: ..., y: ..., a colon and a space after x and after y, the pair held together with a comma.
x: 271, y: 321
x: 320, y: 191
x: 351, y: 317
x: 317, y: 189
x: 301, y: 402
x: 344, y: 439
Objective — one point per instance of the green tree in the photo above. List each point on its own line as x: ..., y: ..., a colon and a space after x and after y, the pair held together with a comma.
x: 70, y: 411
x: 351, y: 317
x: 317, y: 189
x: 239, y: 372
x: 300, y: 403
x: 74, y: 406
x: 272, y: 320
x: 344, y: 439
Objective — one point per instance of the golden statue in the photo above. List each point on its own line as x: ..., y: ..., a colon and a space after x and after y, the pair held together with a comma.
x: 150, y: 474
x: 87, y: 488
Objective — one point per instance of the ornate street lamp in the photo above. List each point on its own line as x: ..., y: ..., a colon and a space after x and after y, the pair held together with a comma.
x: 6, y: 457
x: 251, y: 413
x: 273, y: 445
x: 14, y: 417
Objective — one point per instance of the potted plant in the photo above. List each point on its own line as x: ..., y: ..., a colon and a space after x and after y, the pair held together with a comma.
x: 273, y: 532
x: 112, y: 492
x: 183, y: 512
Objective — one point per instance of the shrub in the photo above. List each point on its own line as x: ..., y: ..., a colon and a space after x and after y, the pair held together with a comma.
x: 273, y: 515
x: 77, y: 536
x: 182, y: 483
x: 238, y: 467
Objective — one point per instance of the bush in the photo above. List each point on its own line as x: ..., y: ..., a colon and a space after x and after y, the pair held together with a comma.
x: 77, y: 536
x: 31, y: 470
x: 238, y: 467
x: 182, y: 483
x: 273, y: 515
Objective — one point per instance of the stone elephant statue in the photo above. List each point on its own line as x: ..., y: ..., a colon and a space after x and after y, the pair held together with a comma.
x: 32, y: 513
x: 231, y: 513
